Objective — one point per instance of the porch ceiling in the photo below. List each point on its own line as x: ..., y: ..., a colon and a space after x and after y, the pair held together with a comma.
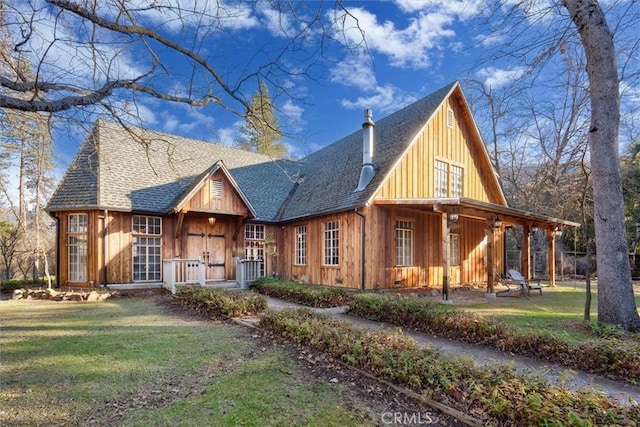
x: 480, y: 210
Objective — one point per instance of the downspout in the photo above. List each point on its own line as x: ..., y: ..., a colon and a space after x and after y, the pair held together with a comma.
x: 363, y: 223
x: 58, y: 245
x: 105, y: 244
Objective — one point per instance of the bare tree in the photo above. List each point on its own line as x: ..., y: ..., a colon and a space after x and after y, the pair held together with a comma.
x: 616, y: 303
x: 120, y: 52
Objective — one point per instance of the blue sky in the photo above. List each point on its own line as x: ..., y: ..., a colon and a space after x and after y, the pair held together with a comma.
x: 414, y: 48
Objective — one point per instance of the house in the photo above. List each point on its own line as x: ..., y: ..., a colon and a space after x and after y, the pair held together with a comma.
x: 410, y: 200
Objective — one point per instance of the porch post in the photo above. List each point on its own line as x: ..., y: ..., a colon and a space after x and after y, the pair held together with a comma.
x: 526, y: 251
x: 445, y: 256
x: 490, y: 256
x: 551, y: 238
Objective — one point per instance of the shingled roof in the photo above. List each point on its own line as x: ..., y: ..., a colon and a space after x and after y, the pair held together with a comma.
x: 330, y: 175
x: 140, y: 170
x: 146, y: 171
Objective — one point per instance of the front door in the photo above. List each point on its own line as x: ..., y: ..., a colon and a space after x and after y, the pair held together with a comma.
x: 206, y: 241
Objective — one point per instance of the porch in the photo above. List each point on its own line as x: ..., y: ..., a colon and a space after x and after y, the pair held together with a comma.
x: 181, y: 272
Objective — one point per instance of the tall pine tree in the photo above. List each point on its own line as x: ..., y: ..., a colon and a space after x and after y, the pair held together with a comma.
x: 262, y: 129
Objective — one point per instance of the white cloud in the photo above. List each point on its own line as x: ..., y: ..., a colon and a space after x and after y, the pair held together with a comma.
x: 496, y: 78
x: 384, y: 99
x: 293, y: 115
x: 463, y: 9
x: 408, y: 47
x: 228, y: 136
x: 355, y: 71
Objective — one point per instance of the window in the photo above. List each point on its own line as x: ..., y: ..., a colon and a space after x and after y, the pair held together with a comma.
x: 301, y: 245
x: 404, y: 243
x: 254, y: 232
x: 448, y: 179
x: 454, y: 250
x: 77, y: 247
x: 442, y: 179
x: 254, y: 244
x: 456, y: 181
x: 147, y: 248
x: 331, y: 243
x: 147, y: 225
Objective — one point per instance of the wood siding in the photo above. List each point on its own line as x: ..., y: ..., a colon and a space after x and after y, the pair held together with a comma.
x: 346, y: 274
x: 230, y: 203
x: 459, y: 145
x: 381, y: 271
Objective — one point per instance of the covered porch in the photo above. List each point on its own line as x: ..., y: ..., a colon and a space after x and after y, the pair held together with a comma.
x: 494, y: 220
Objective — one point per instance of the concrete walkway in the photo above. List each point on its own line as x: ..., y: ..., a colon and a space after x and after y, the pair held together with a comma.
x: 623, y: 393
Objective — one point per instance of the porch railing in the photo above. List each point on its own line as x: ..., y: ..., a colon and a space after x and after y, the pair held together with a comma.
x: 248, y: 270
x: 182, y: 272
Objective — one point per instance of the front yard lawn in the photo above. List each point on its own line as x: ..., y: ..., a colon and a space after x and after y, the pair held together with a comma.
x: 131, y: 362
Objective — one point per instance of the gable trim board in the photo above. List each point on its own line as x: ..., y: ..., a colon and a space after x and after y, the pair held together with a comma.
x: 116, y: 178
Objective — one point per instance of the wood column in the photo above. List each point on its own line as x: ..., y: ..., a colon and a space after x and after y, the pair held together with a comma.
x: 526, y: 251
x: 445, y: 256
x: 551, y: 238
x: 490, y: 255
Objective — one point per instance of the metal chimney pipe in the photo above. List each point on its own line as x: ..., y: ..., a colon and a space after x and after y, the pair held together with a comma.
x: 367, y: 138
x: 367, y: 171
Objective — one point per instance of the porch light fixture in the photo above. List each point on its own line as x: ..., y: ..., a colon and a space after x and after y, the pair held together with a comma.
x: 534, y: 228
x: 453, y: 217
x: 557, y: 232
x: 497, y: 223
x: 212, y: 221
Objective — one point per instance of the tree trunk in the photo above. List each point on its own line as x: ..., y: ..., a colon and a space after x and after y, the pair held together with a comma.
x: 616, y: 303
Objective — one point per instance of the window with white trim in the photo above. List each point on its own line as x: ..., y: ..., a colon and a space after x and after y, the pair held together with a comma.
x: 441, y: 179
x: 454, y: 250
x: 331, y: 243
x: 77, y: 247
x: 456, y: 181
x: 301, y: 245
x: 147, y: 248
x: 404, y: 243
x: 254, y: 244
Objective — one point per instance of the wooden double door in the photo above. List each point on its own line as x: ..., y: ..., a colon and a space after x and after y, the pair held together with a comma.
x: 206, y: 240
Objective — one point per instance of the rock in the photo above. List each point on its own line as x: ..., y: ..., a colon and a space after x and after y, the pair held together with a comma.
x: 93, y: 296
x: 18, y: 293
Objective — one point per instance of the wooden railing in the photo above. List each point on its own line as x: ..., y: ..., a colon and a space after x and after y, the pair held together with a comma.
x: 182, y: 272
x: 248, y: 270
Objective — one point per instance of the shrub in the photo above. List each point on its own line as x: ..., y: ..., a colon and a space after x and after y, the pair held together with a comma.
x: 221, y: 303
x: 11, y: 285
x: 309, y: 295
x: 497, y: 395
x: 612, y: 357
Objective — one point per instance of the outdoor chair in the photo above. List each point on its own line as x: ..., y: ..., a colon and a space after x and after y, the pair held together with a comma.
x: 514, y: 287
x: 517, y: 277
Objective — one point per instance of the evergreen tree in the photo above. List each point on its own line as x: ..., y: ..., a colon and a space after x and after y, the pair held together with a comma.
x: 262, y: 129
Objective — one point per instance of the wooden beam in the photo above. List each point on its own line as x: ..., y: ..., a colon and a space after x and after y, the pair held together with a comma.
x: 179, y: 224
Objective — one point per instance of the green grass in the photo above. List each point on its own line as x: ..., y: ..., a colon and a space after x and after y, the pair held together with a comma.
x: 559, y: 310
x: 128, y: 362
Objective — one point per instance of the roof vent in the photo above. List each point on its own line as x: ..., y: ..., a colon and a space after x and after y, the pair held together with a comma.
x: 367, y: 171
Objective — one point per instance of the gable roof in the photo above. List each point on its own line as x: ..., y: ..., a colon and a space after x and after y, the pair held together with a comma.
x: 190, y: 191
x: 330, y: 175
x: 141, y: 170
